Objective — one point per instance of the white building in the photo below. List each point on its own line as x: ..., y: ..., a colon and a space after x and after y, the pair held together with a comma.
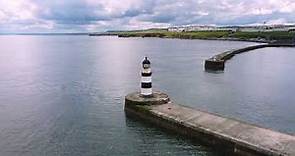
x: 267, y: 28
x: 176, y: 29
x: 258, y: 28
x: 200, y: 28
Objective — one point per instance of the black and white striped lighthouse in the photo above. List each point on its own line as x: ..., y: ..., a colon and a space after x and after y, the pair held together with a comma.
x: 146, y: 78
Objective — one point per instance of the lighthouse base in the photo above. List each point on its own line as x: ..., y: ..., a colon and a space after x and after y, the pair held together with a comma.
x: 157, y: 98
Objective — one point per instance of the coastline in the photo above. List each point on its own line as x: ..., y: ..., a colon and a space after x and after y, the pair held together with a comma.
x: 258, y: 37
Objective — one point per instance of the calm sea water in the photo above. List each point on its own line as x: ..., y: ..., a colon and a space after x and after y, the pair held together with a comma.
x: 63, y: 95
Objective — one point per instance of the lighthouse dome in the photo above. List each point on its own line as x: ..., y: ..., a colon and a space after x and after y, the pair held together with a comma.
x: 146, y: 63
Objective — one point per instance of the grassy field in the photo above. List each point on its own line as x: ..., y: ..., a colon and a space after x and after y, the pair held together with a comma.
x: 253, y: 36
x: 184, y: 35
x: 276, y: 35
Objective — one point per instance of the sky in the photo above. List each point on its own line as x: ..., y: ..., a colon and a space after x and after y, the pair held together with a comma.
x: 102, y: 15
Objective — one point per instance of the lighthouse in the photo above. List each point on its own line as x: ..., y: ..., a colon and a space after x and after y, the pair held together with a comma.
x: 146, y: 78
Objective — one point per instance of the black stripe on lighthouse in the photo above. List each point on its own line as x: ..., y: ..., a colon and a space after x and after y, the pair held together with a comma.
x: 146, y: 74
x: 146, y: 85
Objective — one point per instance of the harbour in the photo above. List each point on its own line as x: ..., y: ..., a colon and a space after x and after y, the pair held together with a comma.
x: 147, y: 78
x: 69, y: 100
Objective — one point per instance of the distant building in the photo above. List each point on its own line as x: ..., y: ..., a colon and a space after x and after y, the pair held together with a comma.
x: 200, y: 28
x: 267, y: 28
x: 258, y: 28
x: 176, y: 29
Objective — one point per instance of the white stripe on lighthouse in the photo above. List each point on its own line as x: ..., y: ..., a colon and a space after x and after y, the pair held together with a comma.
x: 146, y: 91
x: 146, y: 79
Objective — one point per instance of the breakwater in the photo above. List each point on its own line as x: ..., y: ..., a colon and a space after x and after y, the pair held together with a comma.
x: 217, y: 62
x: 232, y: 136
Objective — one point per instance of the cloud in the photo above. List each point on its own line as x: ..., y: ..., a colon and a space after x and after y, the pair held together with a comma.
x: 100, y: 15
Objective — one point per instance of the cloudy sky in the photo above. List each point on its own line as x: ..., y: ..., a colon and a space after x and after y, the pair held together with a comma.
x: 101, y: 15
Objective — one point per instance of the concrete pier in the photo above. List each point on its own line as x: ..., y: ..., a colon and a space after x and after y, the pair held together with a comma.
x: 217, y: 62
x: 233, y: 136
